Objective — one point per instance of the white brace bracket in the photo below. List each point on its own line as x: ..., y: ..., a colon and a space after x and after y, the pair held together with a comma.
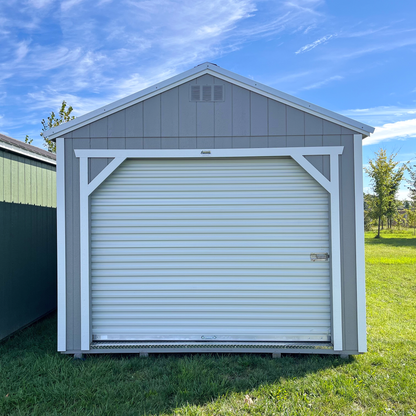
x: 296, y: 153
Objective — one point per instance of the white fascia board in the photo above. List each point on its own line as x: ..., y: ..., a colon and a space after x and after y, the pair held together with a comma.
x: 61, y: 242
x: 31, y: 155
x: 359, y: 244
x: 221, y: 73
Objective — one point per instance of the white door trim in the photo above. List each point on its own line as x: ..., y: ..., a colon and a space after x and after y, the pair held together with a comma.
x: 297, y: 153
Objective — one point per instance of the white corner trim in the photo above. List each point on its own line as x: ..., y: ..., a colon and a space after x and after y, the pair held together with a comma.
x: 359, y: 243
x: 297, y: 153
x: 31, y: 155
x: 61, y: 242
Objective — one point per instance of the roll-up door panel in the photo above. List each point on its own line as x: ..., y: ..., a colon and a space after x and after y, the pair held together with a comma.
x: 201, y: 249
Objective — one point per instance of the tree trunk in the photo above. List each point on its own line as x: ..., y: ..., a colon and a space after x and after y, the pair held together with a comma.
x: 379, y: 223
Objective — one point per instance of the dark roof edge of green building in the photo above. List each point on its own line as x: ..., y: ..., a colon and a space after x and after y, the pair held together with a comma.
x: 25, y: 149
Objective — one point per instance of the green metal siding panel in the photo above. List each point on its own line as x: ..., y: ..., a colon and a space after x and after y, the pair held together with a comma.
x: 28, y: 273
x: 6, y: 177
x: 53, y: 187
x: 44, y: 187
x: 26, y: 199
x: 33, y: 181
x: 26, y: 181
x: 39, y: 184
x: 22, y: 174
x: 48, y: 188
x: 14, y: 176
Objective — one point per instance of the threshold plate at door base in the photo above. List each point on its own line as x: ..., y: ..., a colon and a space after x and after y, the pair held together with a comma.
x: 180, y: 345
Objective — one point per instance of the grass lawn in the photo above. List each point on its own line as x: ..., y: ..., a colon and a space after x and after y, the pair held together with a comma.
x: 36, y: 380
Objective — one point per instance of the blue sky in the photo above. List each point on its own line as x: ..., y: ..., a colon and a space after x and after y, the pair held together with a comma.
x: 354, y: 57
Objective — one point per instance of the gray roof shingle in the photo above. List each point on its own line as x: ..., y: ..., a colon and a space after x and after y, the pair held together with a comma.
x: 27, y: 147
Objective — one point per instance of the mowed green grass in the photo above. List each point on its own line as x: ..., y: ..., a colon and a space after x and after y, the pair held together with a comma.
x: 35, y: 380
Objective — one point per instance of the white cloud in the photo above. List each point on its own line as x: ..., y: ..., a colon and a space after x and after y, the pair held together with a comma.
x: 378, y: 116
x: 95, y: 58
x: 39, y: 4
x: 403, y: 194
x: 313, y: 45
x: 147, y: 41
x: 322, y: 83
x: 383, y: 46
x: 353, y: 34
x: 381, y: 111
x: 308, y: 6
x: 68, y: 4
x: 52, y: 100
x: 399, y: 130
x: 22, y: 50
x: 309, y: 28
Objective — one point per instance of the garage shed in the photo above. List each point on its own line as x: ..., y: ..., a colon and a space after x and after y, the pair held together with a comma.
x: 210, y: 213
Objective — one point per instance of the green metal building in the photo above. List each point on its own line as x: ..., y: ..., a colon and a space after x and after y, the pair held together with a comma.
x: 27, y: 234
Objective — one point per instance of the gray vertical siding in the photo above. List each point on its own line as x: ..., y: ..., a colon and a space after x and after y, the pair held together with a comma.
x: 243, y: 120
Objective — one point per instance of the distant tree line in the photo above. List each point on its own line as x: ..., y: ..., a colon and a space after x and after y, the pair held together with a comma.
x: 381, y: 206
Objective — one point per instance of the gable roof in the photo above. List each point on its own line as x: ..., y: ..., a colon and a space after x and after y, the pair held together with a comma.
x: 25, y: 149
x: 216, y: 71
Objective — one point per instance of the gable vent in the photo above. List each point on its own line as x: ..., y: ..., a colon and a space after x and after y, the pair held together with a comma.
x: 195, y: 93
x: 207, y: 93
x: 218, y: 92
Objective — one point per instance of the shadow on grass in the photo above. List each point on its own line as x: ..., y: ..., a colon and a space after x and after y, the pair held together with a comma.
x: 391, y: 241
x: 38, y: 380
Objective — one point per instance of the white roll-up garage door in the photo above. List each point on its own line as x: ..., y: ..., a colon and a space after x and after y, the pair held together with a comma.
x: 210, y: 249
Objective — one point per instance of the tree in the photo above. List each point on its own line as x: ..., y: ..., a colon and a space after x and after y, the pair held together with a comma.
x: 367, y: 213
x: 385, y: 177
x: 53, y: 121
x: 411, y: 219
x: 28, y: 140
x: 412, y: 183
x: 400, y: 219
